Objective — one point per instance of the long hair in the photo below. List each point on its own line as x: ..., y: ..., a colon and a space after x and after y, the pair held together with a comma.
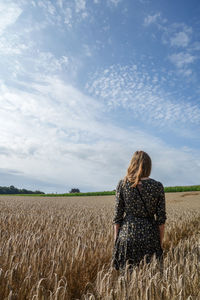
x: 140, y: 166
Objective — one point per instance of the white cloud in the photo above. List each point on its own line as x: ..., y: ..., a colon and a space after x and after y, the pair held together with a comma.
x: 151, y: 19
x: 181, y: 59
x: 68, y: 16
x: 181, y: 39
x: 73, y: 12
x: 48, y: 63
x: 41, y: 62
x: 80, y: 8
x: 115, y: 2
x: 48, y: 6
x: 80, y: 5
x: 53, y: 114
x: 187, y: 72
x: 9, y: 12
x: 176, y: 34
x: 11, y: 45
x: 51, y: 8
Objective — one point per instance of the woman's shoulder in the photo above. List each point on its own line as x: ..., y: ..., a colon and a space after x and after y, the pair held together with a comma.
x: 120, y: 182
x: 150, y: 181
x: 156, y: 182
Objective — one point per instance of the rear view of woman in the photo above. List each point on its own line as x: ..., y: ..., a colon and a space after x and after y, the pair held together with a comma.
x: 139, y: 198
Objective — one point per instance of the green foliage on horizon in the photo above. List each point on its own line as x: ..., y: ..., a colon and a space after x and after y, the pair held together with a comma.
x: 104, y: 193
x: 12, y: 190
x: 172, y: 189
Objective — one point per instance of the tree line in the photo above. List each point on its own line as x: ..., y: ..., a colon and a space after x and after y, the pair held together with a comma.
x: 13, y: 190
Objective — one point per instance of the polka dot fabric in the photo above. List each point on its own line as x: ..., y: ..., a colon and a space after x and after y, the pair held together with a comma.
x: 138, y: 236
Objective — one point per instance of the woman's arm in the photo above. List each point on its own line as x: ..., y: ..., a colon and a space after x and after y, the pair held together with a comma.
x: 162, y: 231
x: 161, y: 213
x: 116, y: 229
x: 119, y: 209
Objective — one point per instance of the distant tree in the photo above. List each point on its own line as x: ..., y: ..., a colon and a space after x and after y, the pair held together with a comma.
x: 38, y: 192
x: 23, y: 191
x: 14, y: 190
x: 3, y: 189
x: 74, y: 191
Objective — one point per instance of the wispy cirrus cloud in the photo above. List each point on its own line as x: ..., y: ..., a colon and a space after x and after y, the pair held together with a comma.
x: 68, y: 17
x: 12, y: 46
x: 136, y: 89
x: 48, y: 63
x: 80, y: 6
x: 9, y: 15
x: 69, y: 13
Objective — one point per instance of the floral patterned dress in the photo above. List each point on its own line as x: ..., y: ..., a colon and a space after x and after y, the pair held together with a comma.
x: 138, y: 236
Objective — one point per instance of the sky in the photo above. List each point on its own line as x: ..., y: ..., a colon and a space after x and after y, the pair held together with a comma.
x: 86, y: 83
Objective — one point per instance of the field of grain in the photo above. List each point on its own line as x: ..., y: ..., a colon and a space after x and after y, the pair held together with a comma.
x: 60, y: 248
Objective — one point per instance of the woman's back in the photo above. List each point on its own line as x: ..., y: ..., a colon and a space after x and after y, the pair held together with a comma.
x: 138, y: 236
x: 152, y: 193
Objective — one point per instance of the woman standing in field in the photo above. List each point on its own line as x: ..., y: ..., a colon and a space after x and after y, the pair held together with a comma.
x: 137, y: 234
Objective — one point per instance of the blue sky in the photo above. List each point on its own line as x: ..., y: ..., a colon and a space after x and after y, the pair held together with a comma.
x: 86, y: 83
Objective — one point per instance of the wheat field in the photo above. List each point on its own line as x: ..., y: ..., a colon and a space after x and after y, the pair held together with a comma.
x: 60, y: 248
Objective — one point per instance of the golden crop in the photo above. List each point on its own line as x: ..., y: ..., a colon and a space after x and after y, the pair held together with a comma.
x: 60, y: 248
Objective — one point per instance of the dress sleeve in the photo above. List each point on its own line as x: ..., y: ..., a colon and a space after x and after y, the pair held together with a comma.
x: 119, y: 205
x: 161, y: 207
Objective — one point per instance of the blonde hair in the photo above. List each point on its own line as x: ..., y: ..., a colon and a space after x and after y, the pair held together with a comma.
x: 140, y: 166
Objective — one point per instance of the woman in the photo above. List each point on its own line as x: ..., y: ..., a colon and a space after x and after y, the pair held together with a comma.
x: 137, y: 234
